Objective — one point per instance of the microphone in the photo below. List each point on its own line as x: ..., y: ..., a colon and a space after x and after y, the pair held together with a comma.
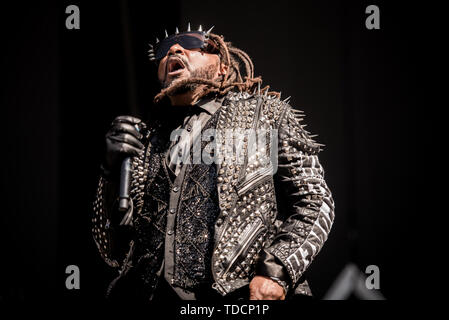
x: 125, y: 203
x: 125, y: 179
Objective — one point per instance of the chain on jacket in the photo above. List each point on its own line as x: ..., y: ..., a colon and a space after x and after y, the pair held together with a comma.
x: 249, y: 223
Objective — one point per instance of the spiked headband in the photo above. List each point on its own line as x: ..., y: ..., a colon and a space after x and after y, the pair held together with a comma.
x: 189, y: 39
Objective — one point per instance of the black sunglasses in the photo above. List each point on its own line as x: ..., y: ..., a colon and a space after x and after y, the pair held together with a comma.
x: 187, y: 40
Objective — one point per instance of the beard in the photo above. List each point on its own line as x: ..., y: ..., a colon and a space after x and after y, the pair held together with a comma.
x: 207, y: 72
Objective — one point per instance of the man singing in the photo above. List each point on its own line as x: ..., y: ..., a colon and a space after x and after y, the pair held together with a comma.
x: 227, y: 195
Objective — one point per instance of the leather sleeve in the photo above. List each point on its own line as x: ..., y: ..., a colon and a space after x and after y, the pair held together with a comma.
x: 111, y: 238
x: 307, y: 212
x: 269, y: 266
x: 115, y: 242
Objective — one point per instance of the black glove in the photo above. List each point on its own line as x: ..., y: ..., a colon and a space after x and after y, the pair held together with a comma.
x: 122, y: 140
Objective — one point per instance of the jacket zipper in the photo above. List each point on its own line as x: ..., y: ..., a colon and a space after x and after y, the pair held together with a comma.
x: 256, y: 120
x: 225, y: 224
x: 217, y: 284
x: 249, y: 240
x: 261, y: 174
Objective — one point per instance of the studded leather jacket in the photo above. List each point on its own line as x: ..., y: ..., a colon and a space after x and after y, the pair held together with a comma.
x: 276, y: 210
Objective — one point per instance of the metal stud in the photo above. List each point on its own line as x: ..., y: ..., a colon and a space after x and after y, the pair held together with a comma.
x: 200, y: 28
x: 166, y: 34
x: 176, y: 31
x: 188, y: 27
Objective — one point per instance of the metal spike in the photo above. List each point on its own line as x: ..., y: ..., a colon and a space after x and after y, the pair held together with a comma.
x: 287, y: 99
x: 200, y: 28
x: 176, y: 31
x: 258, y: 88
x: 166, y: 34
x: 188, y: 27
x: 208, y: 31
x: 266, y: 93
x: 151, y: 46
x: 157, y: 40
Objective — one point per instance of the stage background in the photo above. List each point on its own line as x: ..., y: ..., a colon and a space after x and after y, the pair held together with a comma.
x: 62, y: 88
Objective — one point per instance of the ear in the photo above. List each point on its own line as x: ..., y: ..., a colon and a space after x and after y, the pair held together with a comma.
x: 223, y: 69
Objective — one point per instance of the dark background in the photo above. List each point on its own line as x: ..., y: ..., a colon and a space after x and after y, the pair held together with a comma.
x: 62, y: 88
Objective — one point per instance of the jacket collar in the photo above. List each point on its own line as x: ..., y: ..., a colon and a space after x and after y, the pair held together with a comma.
x: 210, y: 105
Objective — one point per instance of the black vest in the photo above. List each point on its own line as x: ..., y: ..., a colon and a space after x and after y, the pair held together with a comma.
x: 195, y: 221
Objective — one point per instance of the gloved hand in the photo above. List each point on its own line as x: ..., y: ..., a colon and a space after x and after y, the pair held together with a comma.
x: 122, y: 140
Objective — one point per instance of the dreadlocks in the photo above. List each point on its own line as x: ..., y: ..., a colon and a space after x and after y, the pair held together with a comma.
x: 234, y: 78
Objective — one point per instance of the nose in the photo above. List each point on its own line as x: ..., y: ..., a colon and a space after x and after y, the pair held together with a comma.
x: 176, y: 49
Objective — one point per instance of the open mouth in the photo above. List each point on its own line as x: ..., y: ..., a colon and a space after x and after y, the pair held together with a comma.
x: 175, y: 66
